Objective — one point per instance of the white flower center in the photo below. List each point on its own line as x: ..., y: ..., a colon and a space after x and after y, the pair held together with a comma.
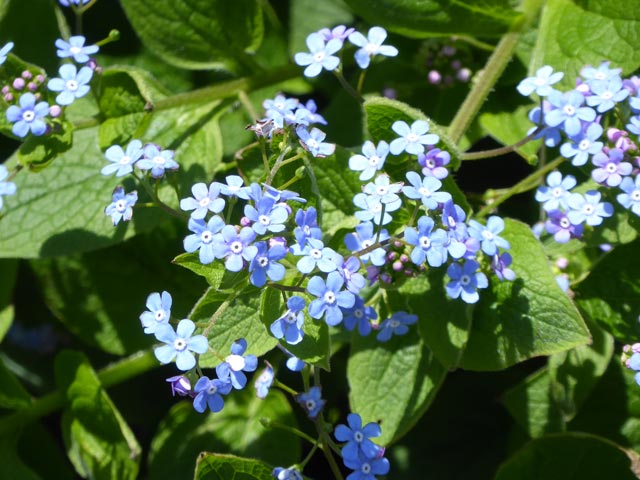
x: 430, y: 163
x: 365, y: 468
x: 539, y: 81
x: 394, y: 324
x: 206, y: 236
x: 358, y: 314
x: 425, y: 242
x: 374, y: 161
x: 158, y: 160
x: 291, y: 318
x: 329, y: 298
x: 236, y: 247
x: 557, y: 192
x: 382, y: 190
x: 565, y: 223
x: 212, y: 389
x: 569, y: 110
x: 412, y: 138
x: 635, y: 195
x: 487, y: 235
x: 72, y: 85
x: 611, y: 167
x: 319, y: 57
x: 264, y: 220
x: 358, y: 437
x: 315, y: 253
x: 607, y: 95
x: 600, y: 76
x: 236, y: 362
x: 121, y: 205
x: 312, y: 144
x: 204, y: 202
x: 310, y: 405
x: 465, y: 280
x: 263, y: 261
x: 588, y: 209
x: 28, y: 116
x: 125, y: 160
x: 584, y: 144
x: 179, y: 344
x: 75, y: 50
x: 371, y: 49
x: 424, y: 191
x: 160, y: 315
x: 366, y: 243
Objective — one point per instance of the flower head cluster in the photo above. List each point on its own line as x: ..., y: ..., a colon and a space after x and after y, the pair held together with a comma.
x: 147, y: 157
x: 359, y: 453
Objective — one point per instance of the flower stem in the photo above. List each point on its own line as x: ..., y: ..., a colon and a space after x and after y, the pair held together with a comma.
x: 496, y: 152
x: 347, y: 86
x: 295, y: 431
x: 276, y: 166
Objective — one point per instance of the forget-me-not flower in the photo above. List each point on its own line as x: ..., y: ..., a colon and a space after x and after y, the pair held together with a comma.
x: 75, y: 48
x: 433, y: 163
x: 359, y: 315
x: 307, y: 225
x: 6, y: 188
x: 630, y: 199
x: 122, y: 161
x: 554, y: 195
x: 289, y: 325
x: 605, y: 94
x: 158, y: 311
x: 371, y: 45
x: 611, y: 168
x: 396, y: 324
x: 209, y: 394
x: 315, y: 254
x: 202, y: 238
x: 363, y: 238
x: 204, y: 200
x: 266, y: 215
x: 121, y: 206
x: 330, y: 299
x: 588, y: 208
x: 236, y: 364
x: 568, y: 111
x: 313, y: 141
x: 311, y: 401
x: 180, y: 344
x: 582, y: 145
x: 157, y: 160
x: 412, y: 138
x: 428, y: 244
x: 559, y: 225
x: 234, y: 187
x: 28, y: 117
x: 4, y: 51
x: 541, y: 83
x: 321, y: 55
x: 465, y: 281
x: 357, y: 437
x: 426, y: 190
x: 264, y: 263
x: 232, y: 246
x: 371, y: 160
x: 488, y: 235
x: 264, y: 381
x: 72, y: 83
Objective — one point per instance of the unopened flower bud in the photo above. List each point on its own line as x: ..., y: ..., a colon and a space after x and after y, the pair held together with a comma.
x: 18, y: 83
x: 55, y: 111
x: 26, y: 75
x: 434, y: 77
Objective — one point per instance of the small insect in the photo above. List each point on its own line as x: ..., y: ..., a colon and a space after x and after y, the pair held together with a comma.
x: 262, y: 128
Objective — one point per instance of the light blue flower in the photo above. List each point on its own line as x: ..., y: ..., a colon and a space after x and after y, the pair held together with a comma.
x: 204, y: 200
x: 582, y: 145
x: 180, y: 344
x: 122, y: 162
x: 568, y: 111
x: 372, y: 209
x: 234, y: 187
x: 426, y: 190
x: 320, y: 56
x: 396, y: 324
x: 121, y: 206
x: 158, y: 311
x: 280, y: 108
x: 330, y: 299
x: 72, y: 83
x: 606, y: 93
x: 371, y: 46
x: 465, y: 281
x: 363, y: 238
x: 75, y: 48
x: 315, y: 254
x: 209, y: 394
x: 602, y: 73
x: 157, y: 160
x: 313, y: 141
x: 412, y: 139
x: 232, y: 246
x: 541, y: 83
x: 236, y: 363
x: 588, y: 208
x: 311, y: 401
x: 6, y: 188
x: 28, y: 117
x: 4, y: 51
x: 264, y: 263
x: 554, y: 195
x: 202, y: 238
x: 488, y: 235
x: 266, y: 216
x: 630, y: 199
x: 429, y: 244
x: 280, y: 473
x: 264, y: 381
x: 289, y: 325
x: 371, y: 160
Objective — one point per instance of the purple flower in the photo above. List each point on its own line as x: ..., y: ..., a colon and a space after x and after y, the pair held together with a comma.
x: 611, y: 168
x: 122, y: 162
x: 561, y: 227
x: 71, y: 84
x: 588, y: 208
x: 75, y: 48
x: 350, y: 271
x: 180, y: 385
x: 264, y: 381
x: 465, y: 280
x: 555, y: 195
x: 202, y: 238
x: 541, y: 83
x: 204, y: 200
x: 433, y: 163
x: 426, y: 190
x: 209, y: 394
x: 412, y: 139
x: 264, y: 263
x: 311, y: 401
x: 28, y: 117
x: 232, y: 246
x: 157, y: 160
x: 235, y: 364
x: 488, y: 236
x: 428, y: 244
x: 630, y: 199
x: 568, y: 111
x: 371, y: 160
x: 357, y: 438
x: 500, y: 266
x: 180, y: 344
x: 121, y: 206
x: 289, y: 325
x: 633, y: 363
x: 313, y: 142
x: 340, y: 32
x: 397, y: 324
x: 371, y: 46
x: 330, y: 298
x: 359, y: 315
x: 158, y: 311
x: 320, y: 55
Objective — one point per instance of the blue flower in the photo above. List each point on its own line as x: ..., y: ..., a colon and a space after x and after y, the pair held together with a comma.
x: 122, y: 162
x: 309, y: 113
x: 121, y: 206
x: 568, y: 111
x: 264, y: 381
x: 412, y: 139
x: 363, y: 238
x: 234, y: 187
x: 313, y: 142
x: 235, y: 364
x: 630, y: 199
x: 202, y: 238
x: 371, y: 46
x: 559, y: 225
x: 311, y: 401
x: 359, y: 315
x: 611, y: 168
x: 366, y: 468
x: 429, y: 244
x: 67, y: 3
x: 433, y: 163
x: 340, y: 32
x: 350, y: 271
x: 157, y: 160
x: 289, y: 325
x: 330, y: 298
x: 357, y: 438
x: 264, y: 263
x: 556, y: 193
x: 4, y: 51
x: 633, y: 363
x: 374, y: 208
x: 397, y: 324
x: 488, y: 235
x: 453, y: 220
x: 465, y: 281
x: 158, y: 313
x: 307, y: 225
x: 605, y: 94
x: 371, y: 161
x: 232, y: 246
x: 602, y: 73
x: 541, y: 83
x: 588, y: 208
x: 582, y: 145
x: 266, y: 215
x: 279, y: 109
x: 551, y: 135
x: 6, y: 188
x: 320, y: 56
x: 209, y: 394
x: 204, y: 200
x: 280, y: 473
x: 500, y: 266
x: 28, y: 116
x: 386, y: 192
x: 295, y: 364
x: 315, y: 254
x: 75, y: 48
x: 72, y: 83
x: 180, y: 344
x: 426, y: 190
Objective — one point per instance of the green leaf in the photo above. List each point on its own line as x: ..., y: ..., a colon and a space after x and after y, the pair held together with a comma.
x: 232, y: 316
x: 11, y: 465
x: 124, y: 90
x: 212, y: 273
x: 570, y: 455
x: 99, y: 443
x: 427, y: 18
x: 216, y: 466
x: 90, y: 296
x: 307, y: 16
x: 573, y: 34
x: 611, y: 292
x: 237, y: 429
x: 211, y: 33
x: 8, y: 273
x: 37, y: 153
x: 528, y: 317
x: 12, y: 393
x: 509, y: 127
x: 393, y: 382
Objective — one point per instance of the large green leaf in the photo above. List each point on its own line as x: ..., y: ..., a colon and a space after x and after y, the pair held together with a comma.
x: 11, y: 465
x: 198, y: 34
x: 12, y: 393
x: 528, y: 317
x: 510, y: 127
x: 610, y: 294
x: 99, y: 443
x: 215, y: 466
x: 184, y: 433
x: 575, y: 33
x: 426, y: 18
x: 570, y: 455
x: 307, y: 16
x: 393, y: 382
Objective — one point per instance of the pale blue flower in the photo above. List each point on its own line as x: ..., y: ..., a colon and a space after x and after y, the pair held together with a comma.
x: 371, y: 160
x: 158, y: 311
x: 412, y: 139
x: 6, y: 188
x: 204, y: 200
x: 157, y: 160
x: 371, y: 46
x: 320, y: 56
x: 72, y: 83
x: 541, y: 83
x: 4, y: 51
x: 75, y: 48
x: 121, y: 206
x: 180, y: 344
x: 122, y: 161
x: 28, y: 117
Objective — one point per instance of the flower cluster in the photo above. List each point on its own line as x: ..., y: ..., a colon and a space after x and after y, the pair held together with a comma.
x: 575, y: 121
x: 631, y: 359
x: 359, y: 453
x: 446, y: 64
